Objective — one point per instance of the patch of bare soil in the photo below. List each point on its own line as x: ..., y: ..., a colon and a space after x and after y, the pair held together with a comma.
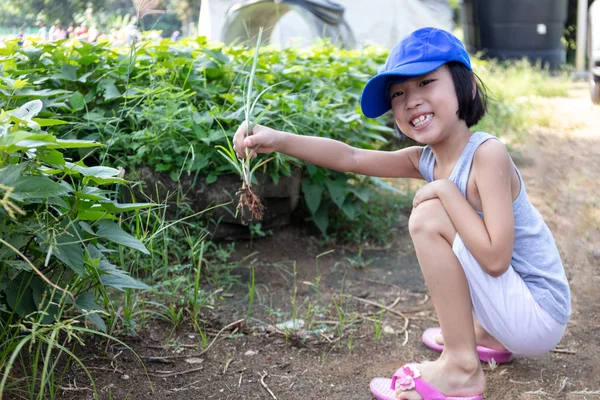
x: 561, y: 168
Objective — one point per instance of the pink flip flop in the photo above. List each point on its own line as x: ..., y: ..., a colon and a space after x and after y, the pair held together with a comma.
x: 485, y: 353
x: 408, y: 378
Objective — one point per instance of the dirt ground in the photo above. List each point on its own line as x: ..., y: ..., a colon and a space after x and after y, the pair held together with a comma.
x: 561, y: 168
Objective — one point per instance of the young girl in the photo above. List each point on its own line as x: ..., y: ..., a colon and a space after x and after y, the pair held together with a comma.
x: 489, y: 261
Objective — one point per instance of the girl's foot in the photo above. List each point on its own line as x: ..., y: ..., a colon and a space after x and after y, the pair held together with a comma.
x: 452, y: 379
x: 482, y: 338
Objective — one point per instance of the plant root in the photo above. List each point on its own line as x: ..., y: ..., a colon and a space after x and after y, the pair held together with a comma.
x: 251, y: 201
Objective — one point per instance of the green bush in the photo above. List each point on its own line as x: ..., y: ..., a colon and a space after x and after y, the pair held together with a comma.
x: 171, y: 104
x: 57, y: 217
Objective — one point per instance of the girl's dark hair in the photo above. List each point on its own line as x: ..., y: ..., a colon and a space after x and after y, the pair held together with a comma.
x: 470, y: 109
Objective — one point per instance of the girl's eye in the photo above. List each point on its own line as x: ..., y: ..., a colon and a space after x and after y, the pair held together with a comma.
x: 396, y: 94
x: 425, y: 82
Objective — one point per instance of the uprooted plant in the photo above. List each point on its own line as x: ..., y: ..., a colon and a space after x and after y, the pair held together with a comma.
x: 248, y: 199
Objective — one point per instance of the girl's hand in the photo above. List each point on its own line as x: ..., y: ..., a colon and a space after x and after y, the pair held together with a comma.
x: 430, y: 191
x: 259, y: 140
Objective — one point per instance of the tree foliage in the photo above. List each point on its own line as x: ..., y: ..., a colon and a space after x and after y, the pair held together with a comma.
x: 28, y: 11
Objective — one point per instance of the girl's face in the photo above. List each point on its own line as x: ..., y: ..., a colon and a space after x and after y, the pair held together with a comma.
x: 425, y: 107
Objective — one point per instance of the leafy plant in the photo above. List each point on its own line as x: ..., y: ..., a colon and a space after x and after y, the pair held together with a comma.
x: 58, y: 218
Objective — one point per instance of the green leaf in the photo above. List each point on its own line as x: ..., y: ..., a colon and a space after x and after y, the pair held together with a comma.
x: 211, y: 178
x: 69, y: 250
x: 313, y: 193
x: 15, y: 240
x: 363, y: 194
x: 86, y: 303
x: 113, y: 232
x: 100, y: 175
x: 19, y: 84
x: 109, y: 88
x: 83, y: 78
x: 321, y: 218
x: 40, y: 93
x: 77, y: 101
x: 112, y: 276
x: 39, y: 295
x: 92, y: 193
x: 350, y: 210
x: 67, y: 73
x: 99, y: 171
x: 87, y: 228
x: 49, y: 121
x: 18, y: 265
x: 338, y: 190
x: 120, y: 280
x: 26, y: 187
x: 18, y: 296
x: 160, y: 167
x: 87, y: 215
x: 51, y: 157
x: 74, y: 144
x: 114, y: 207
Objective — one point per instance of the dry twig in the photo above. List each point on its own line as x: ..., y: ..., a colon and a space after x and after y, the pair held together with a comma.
x: 176, y: 373
x: 262, y: 382
x: 386, y: 309
x: 564, y: 351
x: 218, y: 334
x: 164, y: 358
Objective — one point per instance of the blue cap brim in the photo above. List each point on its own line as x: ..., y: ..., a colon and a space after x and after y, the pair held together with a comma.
x: 375, y: 99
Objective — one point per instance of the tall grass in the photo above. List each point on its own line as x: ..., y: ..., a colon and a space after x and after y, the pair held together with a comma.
x: 516, y: 91
x: 42, y: 353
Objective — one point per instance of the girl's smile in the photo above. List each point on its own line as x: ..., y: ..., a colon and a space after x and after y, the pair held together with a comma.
x: 421, y: 120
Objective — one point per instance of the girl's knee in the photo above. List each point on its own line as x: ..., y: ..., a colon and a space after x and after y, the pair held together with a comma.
x: 430, y: 217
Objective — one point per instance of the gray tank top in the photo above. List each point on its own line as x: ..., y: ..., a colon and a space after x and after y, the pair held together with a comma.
x: 535, y: 256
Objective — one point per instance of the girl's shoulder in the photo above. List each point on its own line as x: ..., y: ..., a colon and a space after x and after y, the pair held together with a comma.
x: 491, y: 155
x: 491, y: 146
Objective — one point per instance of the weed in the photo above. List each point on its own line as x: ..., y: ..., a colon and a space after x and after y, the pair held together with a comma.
x: 350, y: 342
x: 256, y: 231
x: 294, y: 295
x: 356, y: 261
x: 318, y: 274
x: 247, y: 197
x: 341, y: 314
x: 251, y: 288
x: 378, y: 324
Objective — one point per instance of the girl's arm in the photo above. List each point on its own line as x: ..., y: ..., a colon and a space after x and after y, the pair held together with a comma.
x: 491, y: 239
x: 330, y: 153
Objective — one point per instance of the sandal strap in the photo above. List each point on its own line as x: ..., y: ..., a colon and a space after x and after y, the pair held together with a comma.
x: 428, y: 391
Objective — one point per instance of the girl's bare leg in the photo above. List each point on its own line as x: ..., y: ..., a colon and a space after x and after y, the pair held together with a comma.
x: 458, y: 371
x: 482, y: 338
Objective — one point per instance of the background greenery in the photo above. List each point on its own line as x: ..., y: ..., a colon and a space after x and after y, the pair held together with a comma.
x: 115, y: 14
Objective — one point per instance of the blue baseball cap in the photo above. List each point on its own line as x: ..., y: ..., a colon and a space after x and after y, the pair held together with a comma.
x: 419, y: 53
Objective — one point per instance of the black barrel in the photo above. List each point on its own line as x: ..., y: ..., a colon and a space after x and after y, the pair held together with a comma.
x: 513, y: 29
